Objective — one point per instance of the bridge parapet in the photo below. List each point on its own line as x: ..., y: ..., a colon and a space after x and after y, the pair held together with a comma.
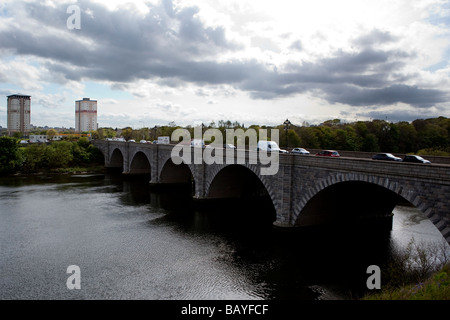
x: 439, y: 173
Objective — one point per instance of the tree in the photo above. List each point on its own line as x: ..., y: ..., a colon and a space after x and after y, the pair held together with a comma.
x: 10, y: 156
x: 326, y: 137
x: 59, y: 154
x: 127, y: 133
x: 370, y: 143
x: 309, y: 138
x: 293, y: 139
x: 83, y: 142
x: 51, y: 133
x: 407, y: 140
x: 34, y: 158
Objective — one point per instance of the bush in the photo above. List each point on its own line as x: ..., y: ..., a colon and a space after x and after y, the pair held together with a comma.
x: 60, y: 154
x: 10, y: 155
x: 416, y: 262
x: 420, y: 271
x: 436, y: 287
x: 434, y: 152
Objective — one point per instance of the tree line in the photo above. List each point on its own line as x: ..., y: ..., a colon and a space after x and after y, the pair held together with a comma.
x: 421, y: 136
x: 37, y: 157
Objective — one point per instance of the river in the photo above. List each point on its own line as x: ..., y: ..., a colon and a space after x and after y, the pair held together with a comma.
x: 131, y: 242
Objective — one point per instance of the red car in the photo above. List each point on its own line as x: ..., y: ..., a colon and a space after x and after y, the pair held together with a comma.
x: 328, y: 153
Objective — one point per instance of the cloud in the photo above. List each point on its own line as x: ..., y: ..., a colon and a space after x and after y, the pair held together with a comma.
x: 375, y: 37
x: 171, y: 46
x: 395, y: 115
x: 412, y: 95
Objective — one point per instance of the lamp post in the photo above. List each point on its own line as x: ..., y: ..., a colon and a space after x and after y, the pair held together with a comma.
x: 287, y: 125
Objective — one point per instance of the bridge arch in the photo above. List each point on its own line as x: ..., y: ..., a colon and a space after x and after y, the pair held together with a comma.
x: 116, y: 159
x: 219, y: 171
x: 362, y: 192
x: 242, y: 193
x: 140, y: 164
x: 175, y: 173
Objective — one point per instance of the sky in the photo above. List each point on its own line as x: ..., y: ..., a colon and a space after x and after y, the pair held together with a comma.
x: 260, y: 62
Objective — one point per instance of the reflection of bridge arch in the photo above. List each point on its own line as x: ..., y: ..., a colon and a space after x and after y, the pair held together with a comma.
x: 140, y: 164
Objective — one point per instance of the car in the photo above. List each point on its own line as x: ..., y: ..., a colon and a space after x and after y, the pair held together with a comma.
x: 271, y: 146
x: 299, y: 151
x: 229, y: 146
x: 143, y: 141
x: 415, y: 159
x: 198, y: 143
x: 386, y: 157
x: 328, y: 153
x: 131, y: 140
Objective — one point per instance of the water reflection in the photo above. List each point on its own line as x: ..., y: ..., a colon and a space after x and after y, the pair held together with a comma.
x: 133, y: 241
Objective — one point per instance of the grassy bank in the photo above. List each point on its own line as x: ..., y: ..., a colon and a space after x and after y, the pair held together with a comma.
x: 421, y: 271
x: 436, y: 287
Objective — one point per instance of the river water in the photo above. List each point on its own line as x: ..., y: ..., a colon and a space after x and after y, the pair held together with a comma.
x: 132, y: 242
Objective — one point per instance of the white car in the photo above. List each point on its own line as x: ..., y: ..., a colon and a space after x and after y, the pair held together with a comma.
x: 299, y: 151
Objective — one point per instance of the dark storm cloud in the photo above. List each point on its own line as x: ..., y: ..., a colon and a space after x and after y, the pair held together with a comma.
x: 386, y: 96
x: 395, y: 115
x: 173, y: 46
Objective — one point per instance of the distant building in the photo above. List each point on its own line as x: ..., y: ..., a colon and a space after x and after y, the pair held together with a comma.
x: 19, y: 113
x: 85, y: 115
x: 43, y: 138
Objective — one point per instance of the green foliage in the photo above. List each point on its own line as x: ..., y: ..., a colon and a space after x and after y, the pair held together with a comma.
x: 434, y: 152
x: 60, y: 155
x: 83, y: 142
x: 427, y: 135
x: 34, y: 158
x: 51, y: 133
x: 10, y: 155
x: 430, y: 136
x: 418, y: 272
x: 437, y: 287
x: 103, y: 133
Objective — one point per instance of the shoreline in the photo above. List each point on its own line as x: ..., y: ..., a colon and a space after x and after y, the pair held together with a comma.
x: 58, y: 172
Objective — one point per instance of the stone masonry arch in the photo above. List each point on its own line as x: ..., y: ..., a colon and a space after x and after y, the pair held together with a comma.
x: 214, y: 170
x: 140, y: 163
x: 170, y: 165
x: 408, y: 190
x: 116, y: 158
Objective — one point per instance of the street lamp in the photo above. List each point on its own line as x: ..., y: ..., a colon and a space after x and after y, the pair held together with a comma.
x: 287, y: 125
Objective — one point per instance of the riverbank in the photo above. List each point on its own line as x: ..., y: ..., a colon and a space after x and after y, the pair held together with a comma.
x: 61, y: 171
x: 436, y: 287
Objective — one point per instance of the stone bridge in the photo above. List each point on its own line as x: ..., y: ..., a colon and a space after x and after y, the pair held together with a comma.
x: 306, y: 190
